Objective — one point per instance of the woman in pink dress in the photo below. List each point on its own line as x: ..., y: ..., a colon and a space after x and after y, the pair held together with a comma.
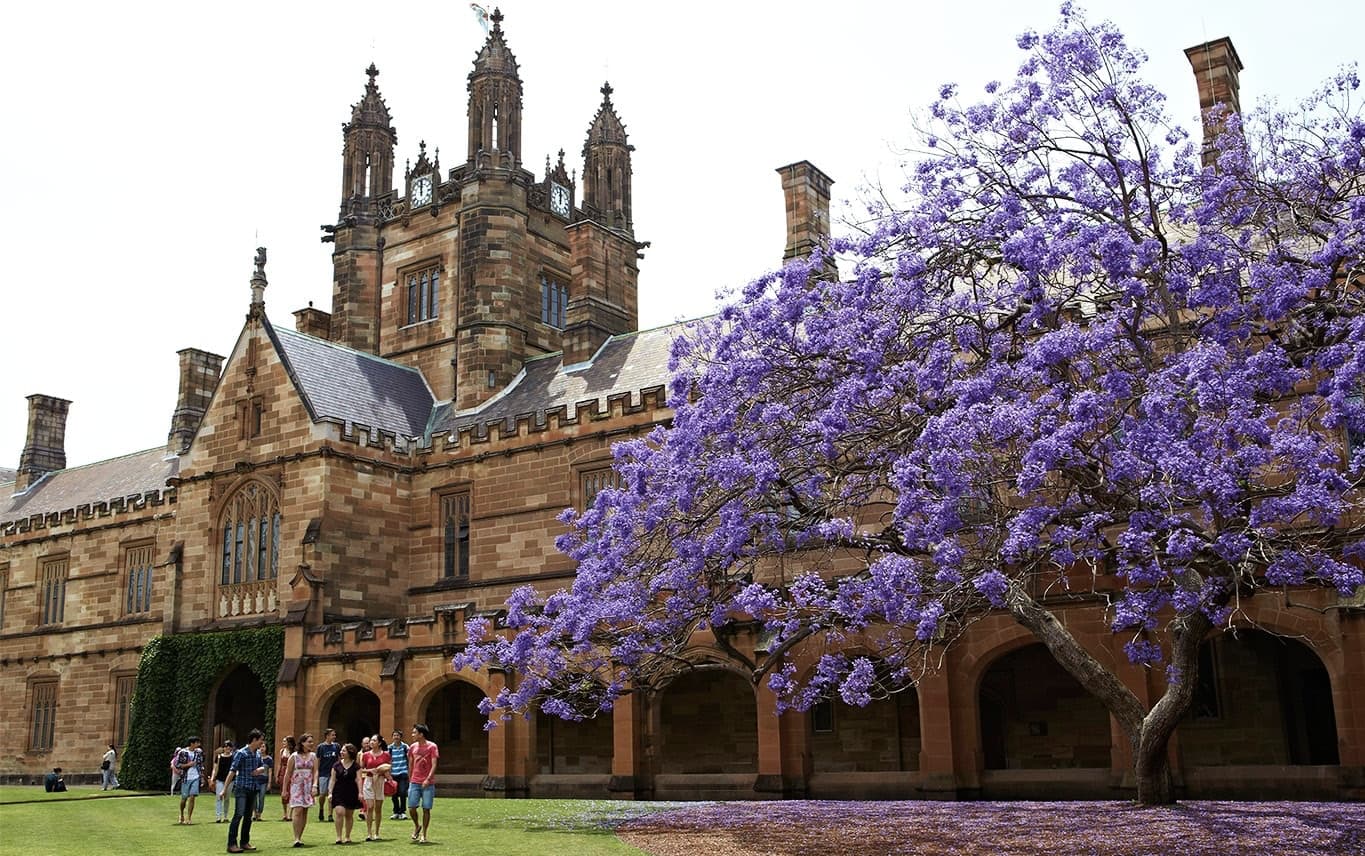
x: 374, y: 769
x: 301, y: 784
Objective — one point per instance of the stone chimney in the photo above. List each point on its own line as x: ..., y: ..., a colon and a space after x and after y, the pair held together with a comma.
x: 313, y: 322
x: 806, y: 191
x: 45, y: 444
x: 199, y: 372
x: 1216, y: 66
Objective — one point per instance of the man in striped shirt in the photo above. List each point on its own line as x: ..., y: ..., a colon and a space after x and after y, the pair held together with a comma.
x: 398, y: 757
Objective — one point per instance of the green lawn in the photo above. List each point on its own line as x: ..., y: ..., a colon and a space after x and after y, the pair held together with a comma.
x: 33, y: 823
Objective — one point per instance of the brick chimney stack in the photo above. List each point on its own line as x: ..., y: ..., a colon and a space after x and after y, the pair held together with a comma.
x: 1216, y: 66
x: 806, y: 192
x: 313, y: 322
x: 45, y: 444
x: 199, y: 372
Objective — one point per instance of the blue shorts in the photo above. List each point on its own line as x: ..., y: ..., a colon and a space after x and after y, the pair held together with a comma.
x: 421, y: 796
x: 188, y: 788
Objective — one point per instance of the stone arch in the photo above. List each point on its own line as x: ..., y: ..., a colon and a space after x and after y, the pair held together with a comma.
x: 564, y: 746
x: 1032, y: 714
x: 1261, y: 698
x: 882, y: 736
x: 352, y: 707
x: 449, y: 707
x: 236, y: 704
x: 707, y: 719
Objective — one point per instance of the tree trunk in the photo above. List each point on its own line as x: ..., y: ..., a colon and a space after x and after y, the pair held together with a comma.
x: 1154, y: 783
x: 1148, y: 731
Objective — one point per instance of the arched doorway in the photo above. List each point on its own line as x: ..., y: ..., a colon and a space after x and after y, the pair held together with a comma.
x: 1260, y: 700
x: 237, y: 706
x: 708, y: 723
x: 354, y: 714
x: 883, y: 736
x: 564, y: 746
x: 1036, y: 716
x: 457, y: 727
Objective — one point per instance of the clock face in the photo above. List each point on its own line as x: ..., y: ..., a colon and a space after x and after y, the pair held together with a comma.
x: 421, y: 190
x: 559, y: 199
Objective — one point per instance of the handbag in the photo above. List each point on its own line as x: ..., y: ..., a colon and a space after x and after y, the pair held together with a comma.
x: 390, y: 787
x: 104, y: 765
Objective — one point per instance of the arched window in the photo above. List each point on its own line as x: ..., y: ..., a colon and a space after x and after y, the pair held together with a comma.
x: 251, y: 536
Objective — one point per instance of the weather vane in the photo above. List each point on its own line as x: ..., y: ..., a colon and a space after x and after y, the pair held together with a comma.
x: 480, y: 16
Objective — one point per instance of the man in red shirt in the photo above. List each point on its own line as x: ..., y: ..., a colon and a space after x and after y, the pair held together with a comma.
x: 422, y: 755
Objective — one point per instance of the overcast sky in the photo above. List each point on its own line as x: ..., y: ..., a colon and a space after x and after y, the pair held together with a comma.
x: 151, y: 147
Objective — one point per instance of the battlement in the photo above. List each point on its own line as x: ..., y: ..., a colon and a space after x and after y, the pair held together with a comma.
x: 88, y: 511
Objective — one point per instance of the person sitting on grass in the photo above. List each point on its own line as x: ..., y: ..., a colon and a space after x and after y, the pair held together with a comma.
x: 53, y: 783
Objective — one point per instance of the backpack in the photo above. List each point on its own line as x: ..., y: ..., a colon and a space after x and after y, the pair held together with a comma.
x: 175, y: 772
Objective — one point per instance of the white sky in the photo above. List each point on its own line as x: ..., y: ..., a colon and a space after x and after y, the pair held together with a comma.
x: 150, y: 147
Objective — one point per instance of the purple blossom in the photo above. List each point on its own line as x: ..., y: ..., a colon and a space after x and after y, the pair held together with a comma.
x: 1072, y: 361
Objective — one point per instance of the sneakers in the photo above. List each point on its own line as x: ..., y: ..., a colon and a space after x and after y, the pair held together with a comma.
x: 402, y: 815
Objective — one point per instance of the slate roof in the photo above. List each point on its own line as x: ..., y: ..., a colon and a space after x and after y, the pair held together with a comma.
x: 629, y: 362
x: 117, y: 478
x: 352, y: 386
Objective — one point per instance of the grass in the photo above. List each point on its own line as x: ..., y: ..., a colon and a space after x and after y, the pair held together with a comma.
x: 33, y: 823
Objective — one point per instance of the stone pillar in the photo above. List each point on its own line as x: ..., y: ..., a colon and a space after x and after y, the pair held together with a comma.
x: 199, y: 373
x: 628, y: 768
x: 1348, y: 702
x: 1216, y: 66
x: 770, y: 779
x: 938, y: 777
x: 45, y: 442
x: 506, y: 765
x: 805, y: 190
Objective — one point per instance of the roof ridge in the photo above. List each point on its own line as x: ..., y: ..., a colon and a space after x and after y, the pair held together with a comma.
x: 349, y: 350
x: 161, y: 449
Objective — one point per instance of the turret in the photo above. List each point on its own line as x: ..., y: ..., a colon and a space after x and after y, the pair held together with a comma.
x: 603, y: 296
x: 367, y: 176
x: 606, y: 168
x: 495, y: 103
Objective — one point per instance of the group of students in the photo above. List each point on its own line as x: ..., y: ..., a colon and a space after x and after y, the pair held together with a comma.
x: 351, y: 781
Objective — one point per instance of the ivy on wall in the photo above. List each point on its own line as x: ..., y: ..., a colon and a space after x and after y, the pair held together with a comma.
x: 174, y: 679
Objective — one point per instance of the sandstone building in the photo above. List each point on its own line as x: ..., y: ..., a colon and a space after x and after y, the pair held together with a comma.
x: 375, y: 477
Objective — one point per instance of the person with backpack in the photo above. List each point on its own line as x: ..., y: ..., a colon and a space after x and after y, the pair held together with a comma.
x: 189, y: 762
x: 108, y: 777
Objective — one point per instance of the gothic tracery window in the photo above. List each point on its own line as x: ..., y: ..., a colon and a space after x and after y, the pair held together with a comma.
x: 250, y: 530
x: 424, y: 289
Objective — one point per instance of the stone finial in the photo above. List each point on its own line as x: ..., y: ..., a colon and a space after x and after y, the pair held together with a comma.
x: 606, y: 91
x: 496, y: 18
x: 373, y: 72
x: 258, y: 280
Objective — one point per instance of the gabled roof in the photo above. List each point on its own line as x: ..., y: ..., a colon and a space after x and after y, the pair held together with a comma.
x: 626, y: 363
x: 350, y: 386
x: 134, y: 475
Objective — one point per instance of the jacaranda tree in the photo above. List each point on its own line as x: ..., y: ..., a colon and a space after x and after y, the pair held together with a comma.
x: 1075, y: 363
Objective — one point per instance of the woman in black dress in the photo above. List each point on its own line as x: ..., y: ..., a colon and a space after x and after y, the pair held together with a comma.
x: 344, y: 792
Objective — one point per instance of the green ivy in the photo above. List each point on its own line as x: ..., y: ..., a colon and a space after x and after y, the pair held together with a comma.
x: 174, y: 679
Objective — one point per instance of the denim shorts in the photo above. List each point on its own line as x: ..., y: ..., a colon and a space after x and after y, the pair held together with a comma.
x: 421, y: 796
x: 188, y: 788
